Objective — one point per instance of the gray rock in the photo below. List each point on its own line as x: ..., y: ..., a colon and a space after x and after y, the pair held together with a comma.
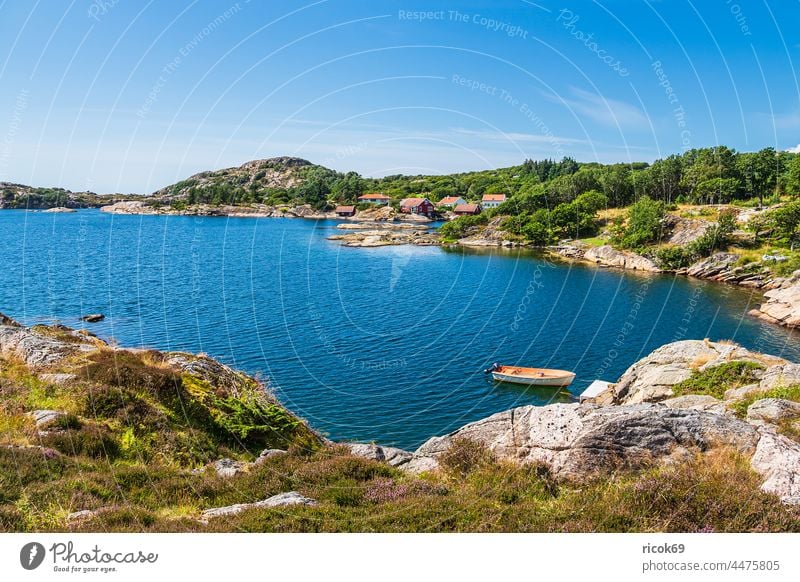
x: 743, y: 392
x: 37, y: 349
x: 578, y: 440
x: 686, y: 230
x: 609, y: 256
x: 57, y: 378
x: 782, y: 305
x: 44, y: 417
x: 280, y: 500
x: 229, y: 467
x: 268, y: 454
x: 697, y: 402
x: 395, y: 457
x: 772, y: 410
x: 93, y: 317
x: 777, y: 459
x: 420, y: 464
x: 780, y: 374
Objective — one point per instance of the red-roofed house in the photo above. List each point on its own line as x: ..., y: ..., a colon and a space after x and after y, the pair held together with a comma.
x: 493, y: 200
x: 451, y: 201
x: 375, y: 198
x: 345, y: 210
x: 421, y: 206
x: 467, y: 209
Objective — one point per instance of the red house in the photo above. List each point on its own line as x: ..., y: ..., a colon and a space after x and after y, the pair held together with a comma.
x: 421, y: 206
x: 467, y: 209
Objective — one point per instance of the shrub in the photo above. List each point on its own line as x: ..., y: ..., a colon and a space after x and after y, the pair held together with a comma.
x: 716, y: 380
x: 90, y: 440
x: 644, y: 224
x: 465, y: 455
x: 674, y: 257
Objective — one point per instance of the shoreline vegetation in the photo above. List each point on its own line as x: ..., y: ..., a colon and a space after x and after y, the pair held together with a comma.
x: 698, y: 436
x: 711, y: 213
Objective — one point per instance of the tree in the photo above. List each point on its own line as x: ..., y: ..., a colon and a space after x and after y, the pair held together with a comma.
x: 792, y: 176
x: 644, y: 223
x: 759, y: 171
x: 717, y: 190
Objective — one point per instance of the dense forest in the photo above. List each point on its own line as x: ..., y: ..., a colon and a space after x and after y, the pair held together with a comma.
x: 702, y: 176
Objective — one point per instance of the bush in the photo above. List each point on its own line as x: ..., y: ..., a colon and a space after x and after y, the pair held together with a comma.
x: 674, y: 257
x: 465, y: 455
x: 91, y: 440
x: 644, y: 224
x: 716, y: 380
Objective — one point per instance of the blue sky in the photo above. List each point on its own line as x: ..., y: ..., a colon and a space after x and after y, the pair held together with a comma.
x: 123, y: 96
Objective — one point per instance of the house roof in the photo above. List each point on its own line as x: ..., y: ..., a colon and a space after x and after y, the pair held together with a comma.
x: 374, y: 196
x: 412, y: 202
x: 494, y: 197
x: 466, y: 208
x: 450, y: 199
x: 345, y: 209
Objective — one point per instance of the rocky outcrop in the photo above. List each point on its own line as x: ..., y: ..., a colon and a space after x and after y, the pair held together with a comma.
x: 725, y: 268
x: 280, y: 500
x: 387, y: 237
x: 683, y: 231
x: 777, y: 459
x: 578, y: 440
x: 60, y: 210
x: 392, y: 456
x: 608, y: 256
x: 40, y: 345
x: 652, y: 378
x: 782, y: 305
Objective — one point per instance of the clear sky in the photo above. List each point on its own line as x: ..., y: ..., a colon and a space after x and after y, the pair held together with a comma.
x: 129, y: 96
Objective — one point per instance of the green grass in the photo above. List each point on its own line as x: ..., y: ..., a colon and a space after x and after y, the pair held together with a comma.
x: 716, y: 380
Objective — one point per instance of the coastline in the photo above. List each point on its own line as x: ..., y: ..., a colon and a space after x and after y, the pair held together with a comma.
x: 658, y: 412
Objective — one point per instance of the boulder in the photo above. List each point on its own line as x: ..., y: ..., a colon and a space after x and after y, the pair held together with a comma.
x: 229, y: 467
x: 394, y: 457
x: 45, y: 417
x: 772, y: 410
x: 420, y: 464
x: 268, y: 454
x: 777, y: 459
x: 57, y: 378
x: 280, y: 500
x: 578, y: 440
x: 743, y: 392
x: 780, y: 374
x: 610, y: 257
x: 93, y: 317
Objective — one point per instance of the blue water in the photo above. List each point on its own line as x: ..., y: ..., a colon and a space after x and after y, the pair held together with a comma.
x: 380, y: 344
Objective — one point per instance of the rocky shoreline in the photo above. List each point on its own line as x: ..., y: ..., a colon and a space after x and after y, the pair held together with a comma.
x: 644, y: 421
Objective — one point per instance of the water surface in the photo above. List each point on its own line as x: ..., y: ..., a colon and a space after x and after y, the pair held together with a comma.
x: 382, y: 344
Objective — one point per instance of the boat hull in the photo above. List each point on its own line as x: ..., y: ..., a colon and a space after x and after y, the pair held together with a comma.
x: 544, y: 378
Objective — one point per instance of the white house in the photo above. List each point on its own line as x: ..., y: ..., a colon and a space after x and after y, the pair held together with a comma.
x: 492, y: 200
